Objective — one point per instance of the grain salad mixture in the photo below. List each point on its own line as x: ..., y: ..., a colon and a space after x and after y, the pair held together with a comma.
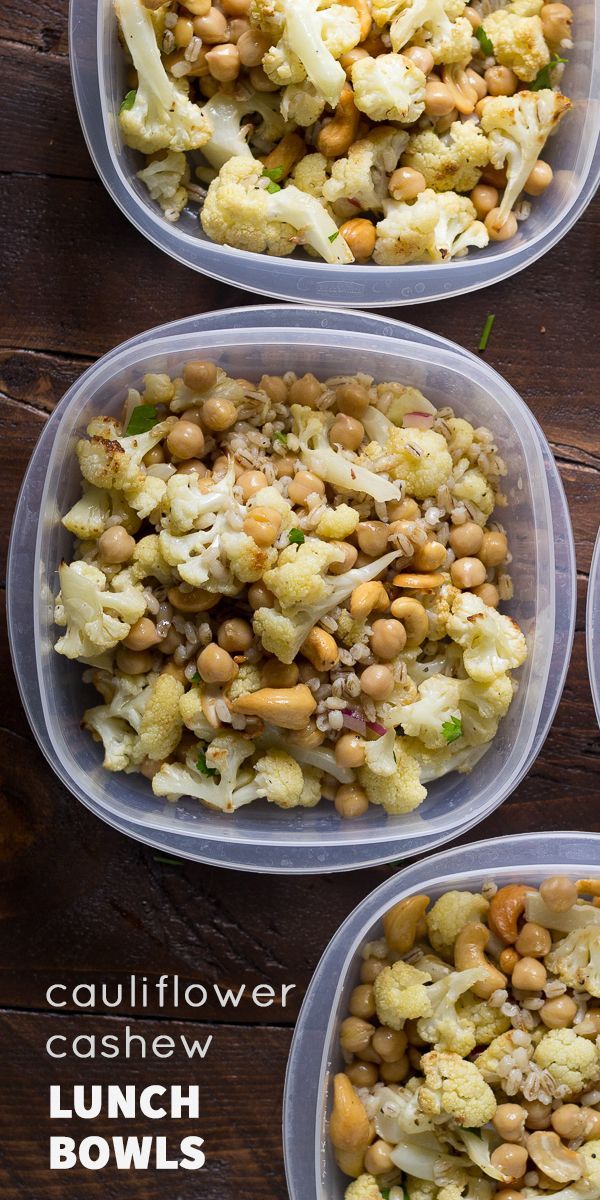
x: 392, y: 131
x: 472, y: 1049
x: 289, y: 589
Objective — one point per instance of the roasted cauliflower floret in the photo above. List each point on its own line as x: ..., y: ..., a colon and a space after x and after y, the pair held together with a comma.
x: 437, y: 24
x: 518, y: 42
x: 450, y: 162
x: 454, y: 1086
x: 434, y: 228
x: 401, y: 994
x: 571, y: 1060
x: 166, y: 179
x: 576, y: 960
x: 492, y: 642
x: 389, y: 88
x: 309, y: 39
x: 96, y: 617
x: 447, y: 916
x: 398, y: 793
x: 362, y: 176
x: 518, y: 127
x: 161, y: 724
x: 422, y: 460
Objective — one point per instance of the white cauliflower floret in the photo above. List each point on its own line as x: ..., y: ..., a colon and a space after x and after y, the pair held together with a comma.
x: 492, y: 642
x: 362, y: 177
x: 311, y: 174
x: 148, y: 561
x: 111, y: 461
x: 282, y: 781
x: 451, y: 162
x: 96, y: 618
x: 126, y: 696
x: 299, y: 577
x: 311, y: 36
x: 398, y: 1114
x: 187, y: 499
x: 406, y: 234
x: 225, y: 115
x: 488, y: 1022
x: 247, y: 561
x: 399, y: 793
x: 576, y: 960
x: 121, y: 748
x: 161, y: 117
x: 437, y: 24
x: 435, y: 716
x: 454, y: 1086
x: 90, y: 515
x: 161, y: 724
x: 401, y: 994
x: 365, y: 1187
x: 447, y: 916
x: 457, y: 227
x: 215, y: 779
x: 423, y: 462
x: 502, y: 1047
x: 302, y: 104
x: 433, y: 764
x: 389, y: 88
x: 481, y: 706
x: 446, y: 1028
x: 518, y: 42
x: 166, y: 179
x: 572, y: 1061
x: 338, y: 522
x: 346, y: 473
x: 474, y: 487
x: 517, y: 127
x: 193, y: 715
x: 239, y: 212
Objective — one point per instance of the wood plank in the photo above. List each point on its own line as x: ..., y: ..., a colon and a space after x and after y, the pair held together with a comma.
x: 37, y: 97
x: 240, y: 1086
x: 41, y: 24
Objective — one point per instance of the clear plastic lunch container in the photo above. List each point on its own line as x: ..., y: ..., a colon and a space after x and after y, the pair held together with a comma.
x: 315, y: 1057
x: 98, y: 72
x: 250, y: 341
x: 592, y: 626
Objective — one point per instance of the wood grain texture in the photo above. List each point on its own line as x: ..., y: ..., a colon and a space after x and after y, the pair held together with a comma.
x: 77, y: 900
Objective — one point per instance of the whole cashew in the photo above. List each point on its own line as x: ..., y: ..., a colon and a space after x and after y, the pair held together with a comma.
x: 289, y: 708
x: 505, y: 909
x: 469, y: 950
x: 349, y: 1126
x: 413, y: 617
x: 553, y: 1157
x: 366, y: 598
x: 426, y: 582
x: 321, y: 649
x: 337, y: 136
x: 401, y: 922
x: 285, y: 155
x: 463, y: 93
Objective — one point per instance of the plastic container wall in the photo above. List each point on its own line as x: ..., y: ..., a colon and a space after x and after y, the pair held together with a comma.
x: 261, y: 836
x: 593, y: 627
x: 98, y: 71
x: 315, y: 1057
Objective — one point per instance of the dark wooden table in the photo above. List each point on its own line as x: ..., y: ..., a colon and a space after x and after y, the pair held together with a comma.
x: 78, y: 902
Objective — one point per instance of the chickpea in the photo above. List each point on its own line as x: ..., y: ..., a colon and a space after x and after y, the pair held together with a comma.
x: 510, y: 1159
x: 388, y: 638
x: 220, y: 467
x: 348, y: 59
x: 207, y: 85
x: 529, y: 975
x: 183, y: 32
x: 192, y: 466
x: 488, y: 592
x: 285, y: 465
x: 429, y: 556
x: 352, y: 399
x: 538, y: 1114
x: 508, y: 959
x: 306, y: 390
x: 237, y: 27
x: 259, y: 596
x: 494, y: 548
x: 509, y: 1121
x: 508, y: 1194
x: 260, y: 80
x: 501, y: 81
x: 215, y: 665
x: 539, y: 178
x: 533, y: 941
x: 377, y: 1157
x: 370, y: 969
x: 389, y: 1044
x: 154, y: 456
x: 558, y: 1013
x: 467, y: 539
x: 500, y: 233
x: 406, y: 183
x: 275, y: 387
x: 559, y: 893
x: 224, y: 65
x: 198, y: 8
x: 349, y: 751
x: 263, y: 525
x: 175, y: 671
x: 235, y: 635
x: 346, y: 432
x: 556, y: 22
x: 377, y: 682
x: 355, y: 1035
x: 438, y: 99
x: 351, y: 800
x: 150, y: 767
x: 359, y: 234
x: 218, y: 413
x: 592, y: 1124
x: 199, y: 375
x: 133, y: 662
x: 568, y: 1121
x: 372, y: 537
x: 235, y: 8
x: 362, y: 1001
x: 278, y: 674
x: 303, y: 485
x: 421, y: 57
x: 404, y: 510
x: 484, y: 198
x: 395, y: 1072
x: 362, y: 1074
x: 185, y: 440
x: 348, y: 561
x: 467, y: 572
x: 115, y: 545
x: 212, y: 27
x: 309, y: 737
x: 251, y: 482
x: 142, y: 635
x: 252, y: 47
x: 477, y: 81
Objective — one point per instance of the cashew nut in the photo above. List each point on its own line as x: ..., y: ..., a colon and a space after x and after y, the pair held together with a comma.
x: 588, y: 887
x: 427, y: 582
x: 414, y: 618
x: 553, y: 1157
x: 400, y: 923
x: 469, y: 950
x: 289, y: 708
x: 363, y: 12
x: 194, y: 601
x: 285, y: 155
x: 321, y: 649
x: 349, y: 1126
x: 505, y: 909
x: 463, y: 93
x: 337, y: 136
x: 366, y: 598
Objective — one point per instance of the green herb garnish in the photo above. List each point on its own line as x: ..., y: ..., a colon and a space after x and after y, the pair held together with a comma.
x: 202, y: 767
x: 487, y: 329
x: 196, y: 677
x: 296, y: 536
x: 385, y: 1192
x: 542, y: 79
x: 273, y: 187
x: 129, y: 101
x: 273, y: 173
x: 281, y: 438
x: 484, y: 41
x: 143, y: 417
x: 452, y: 729
x: 333, y: 236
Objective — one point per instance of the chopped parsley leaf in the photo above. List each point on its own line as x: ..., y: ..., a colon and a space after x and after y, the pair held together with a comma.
x: 129, y: 101
x: 296, y: 536
x: 542, y: 79
x: 485, y: 334
x: 273, y: 173
x: 196, y: 677
x: 143, y: 417
x: 281, y: 438
x: 333, y: 236
x: 202, y: 767
x: 484, y: 41
x: 273, y: 187
x: 452, y: 729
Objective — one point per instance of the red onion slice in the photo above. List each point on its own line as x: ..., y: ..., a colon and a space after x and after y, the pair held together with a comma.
x: 418, y: 420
